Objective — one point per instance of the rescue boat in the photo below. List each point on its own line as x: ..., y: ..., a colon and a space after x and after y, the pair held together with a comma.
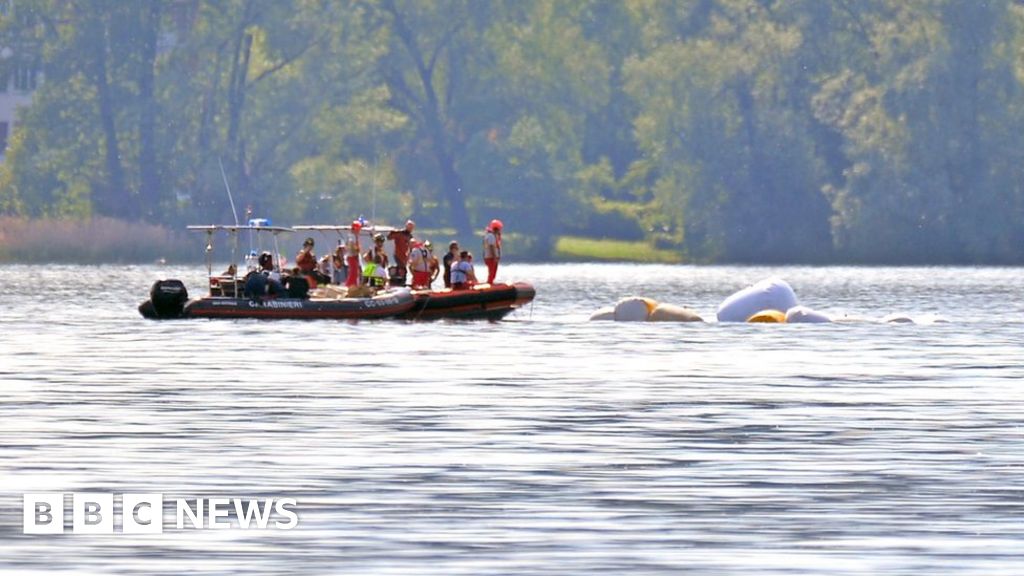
x: 227, y: 296
x: 227, y: 299
x: 169, y: 299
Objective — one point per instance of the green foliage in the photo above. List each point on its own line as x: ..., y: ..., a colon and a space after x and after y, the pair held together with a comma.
x: 725, y: 130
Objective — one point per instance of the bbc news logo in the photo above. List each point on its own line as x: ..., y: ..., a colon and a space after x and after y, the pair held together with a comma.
x: 93, y: 513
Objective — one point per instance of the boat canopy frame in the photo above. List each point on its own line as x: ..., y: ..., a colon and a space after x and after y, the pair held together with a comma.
x: 233, y: 230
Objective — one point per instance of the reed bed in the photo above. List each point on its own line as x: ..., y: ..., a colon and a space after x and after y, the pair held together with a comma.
x: 92, y: 241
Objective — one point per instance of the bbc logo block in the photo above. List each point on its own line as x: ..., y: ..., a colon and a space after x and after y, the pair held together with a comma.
x: 92, y: 513
x: 43, y: 513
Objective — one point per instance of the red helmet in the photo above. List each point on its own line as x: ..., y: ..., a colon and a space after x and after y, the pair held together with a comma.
x: 357, y: 225
x: 496, y: 225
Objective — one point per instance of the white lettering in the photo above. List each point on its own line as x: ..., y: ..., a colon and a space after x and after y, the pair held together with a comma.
x: 262, y: 516
x: 215, y: 511
x: 184, y: 509
x: 293, y: 518
x: 287, y: 304
x: 381, y: 302
x: 94, y: 513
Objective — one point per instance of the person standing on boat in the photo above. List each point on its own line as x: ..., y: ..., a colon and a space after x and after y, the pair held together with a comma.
x: 353, y: 251
x: 463, y: 275
x: 403, y: 240
x: 449, y: 260
x: 432, y: 264
x: 419, y: 263
x: 340, y: 271
x: 492, y: 249
x: 375, y: 272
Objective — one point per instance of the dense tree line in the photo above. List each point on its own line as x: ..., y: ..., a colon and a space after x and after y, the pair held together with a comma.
x: 730, y: 130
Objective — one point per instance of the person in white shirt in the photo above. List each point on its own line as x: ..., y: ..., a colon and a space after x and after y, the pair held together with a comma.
x: 419, y: 263
x: 492, y: 249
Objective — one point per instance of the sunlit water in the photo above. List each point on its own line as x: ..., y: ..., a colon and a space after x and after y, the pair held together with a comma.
x: 544, y: 444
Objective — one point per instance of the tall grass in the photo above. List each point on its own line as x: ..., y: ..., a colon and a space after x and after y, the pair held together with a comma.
x: 571, y: 248
x: 93, y: 241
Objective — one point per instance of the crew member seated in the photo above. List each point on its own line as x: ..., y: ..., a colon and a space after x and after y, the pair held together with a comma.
x: 297, y: 285
x: 463, y: 275
x: 264, y: 281
x: 306, y: 262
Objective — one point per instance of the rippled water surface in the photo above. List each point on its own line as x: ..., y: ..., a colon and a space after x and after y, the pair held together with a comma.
x: 544, y: 444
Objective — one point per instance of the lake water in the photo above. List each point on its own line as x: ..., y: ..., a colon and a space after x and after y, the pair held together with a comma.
x: 543, y: 444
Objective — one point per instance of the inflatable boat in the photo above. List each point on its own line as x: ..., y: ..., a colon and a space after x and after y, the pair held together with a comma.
x: 169, y: 299
x: 229, y: 298
x: 482, y: 302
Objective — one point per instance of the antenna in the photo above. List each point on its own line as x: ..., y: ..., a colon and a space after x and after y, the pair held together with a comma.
x: 228, y: 188
x: 373, y: 193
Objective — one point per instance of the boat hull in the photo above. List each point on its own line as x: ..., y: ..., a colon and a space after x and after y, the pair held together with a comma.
x: 492, y: 302
x: 381, y: 306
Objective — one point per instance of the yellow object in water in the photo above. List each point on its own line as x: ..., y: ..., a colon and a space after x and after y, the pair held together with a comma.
x: 768, y: 317
x: 673, y: 313
x: 651, y: 304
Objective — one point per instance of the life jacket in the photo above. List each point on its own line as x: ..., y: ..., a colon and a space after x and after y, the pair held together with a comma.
x: 419, y: 260
x: 372, y: 276
x: 459, y: 272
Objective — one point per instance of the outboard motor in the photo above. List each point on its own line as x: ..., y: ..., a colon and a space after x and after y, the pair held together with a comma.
x: 168, y: 298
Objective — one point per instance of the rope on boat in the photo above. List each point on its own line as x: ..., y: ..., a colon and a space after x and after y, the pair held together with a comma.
x: 420, y: 313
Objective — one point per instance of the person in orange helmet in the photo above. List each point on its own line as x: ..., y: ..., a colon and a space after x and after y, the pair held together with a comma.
x: 492, y: 248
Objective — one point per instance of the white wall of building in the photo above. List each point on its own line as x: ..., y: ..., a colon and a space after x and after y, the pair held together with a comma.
x: 10, y: 100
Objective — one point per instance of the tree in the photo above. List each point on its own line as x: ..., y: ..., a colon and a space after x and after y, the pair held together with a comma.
x: 730, y: 138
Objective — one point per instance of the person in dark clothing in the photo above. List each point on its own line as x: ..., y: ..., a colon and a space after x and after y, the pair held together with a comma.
x: 269, y: 280
x: 450, y: 258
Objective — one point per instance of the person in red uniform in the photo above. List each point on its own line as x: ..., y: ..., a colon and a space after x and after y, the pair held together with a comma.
x: 492, y: 249
x: 353, y: 251
x: 403, y: 240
